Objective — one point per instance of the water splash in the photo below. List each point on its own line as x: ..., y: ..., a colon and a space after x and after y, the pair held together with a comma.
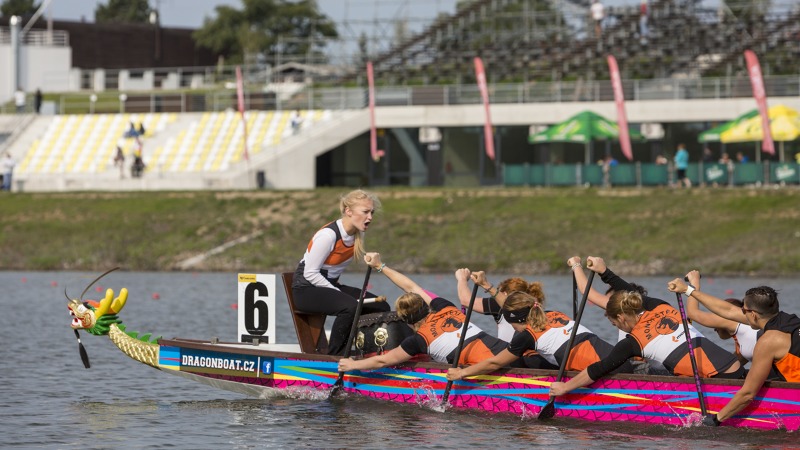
x: 427, y: 398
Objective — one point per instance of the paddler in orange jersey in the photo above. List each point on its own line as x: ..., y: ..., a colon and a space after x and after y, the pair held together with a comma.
x: 778, y: 347
x: 547, y: 333
x: 654, y: 332
x: 438, y: 324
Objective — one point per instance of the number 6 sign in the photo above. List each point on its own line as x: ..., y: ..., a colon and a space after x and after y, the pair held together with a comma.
x: 256, y: 307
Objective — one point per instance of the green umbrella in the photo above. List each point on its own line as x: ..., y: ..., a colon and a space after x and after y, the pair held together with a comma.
x: 584, y: 127
x: 715, y: 134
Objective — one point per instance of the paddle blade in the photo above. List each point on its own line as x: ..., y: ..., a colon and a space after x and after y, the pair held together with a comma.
x: 548, y: 410
x: 82, y: 351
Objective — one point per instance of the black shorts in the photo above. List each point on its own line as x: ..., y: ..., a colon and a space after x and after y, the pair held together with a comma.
x: 681, y: 174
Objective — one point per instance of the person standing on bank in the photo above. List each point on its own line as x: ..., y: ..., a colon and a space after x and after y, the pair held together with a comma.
x: 316, y: 286
x: 778, y: 347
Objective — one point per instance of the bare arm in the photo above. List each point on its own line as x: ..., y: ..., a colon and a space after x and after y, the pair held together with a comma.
x: 767, y: 347
x: 580, y: 380
x: 497, y: 361
x: 464, y: 291
x: 705, y: 318
x: 400, y: 280
x: 716, y: 305
x: 393, y: 357
x: 595, y: 296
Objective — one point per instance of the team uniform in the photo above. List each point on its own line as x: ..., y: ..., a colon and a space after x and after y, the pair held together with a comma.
x: 788, y: 367
x: 504, y: 329
x: 440, y: 332
x: 658, y: 336
x: 551, y: 343
x: 316, y: 287
x: 744, y: 338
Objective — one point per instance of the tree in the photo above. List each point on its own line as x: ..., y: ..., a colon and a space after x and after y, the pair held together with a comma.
x: 21, y: 8
x: 123, y: 11
x: 277, y: 29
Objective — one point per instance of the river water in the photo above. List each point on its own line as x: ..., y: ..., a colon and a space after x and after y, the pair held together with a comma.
x: 50, y: 401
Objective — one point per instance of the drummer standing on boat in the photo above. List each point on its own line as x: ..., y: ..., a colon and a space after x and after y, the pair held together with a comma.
x: 778, y: 348
x: 316, y: 286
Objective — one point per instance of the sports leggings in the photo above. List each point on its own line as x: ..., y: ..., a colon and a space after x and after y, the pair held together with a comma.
x: 340, y: 303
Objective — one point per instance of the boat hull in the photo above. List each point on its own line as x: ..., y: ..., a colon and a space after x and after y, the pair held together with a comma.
x: 662, y: 400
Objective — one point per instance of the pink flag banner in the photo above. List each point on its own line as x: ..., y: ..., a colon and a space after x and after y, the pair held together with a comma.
x: 760, y: 95
x: 488, y: 136
x: 373, y: 132
x: 619, y: 100
x: 240, y: 101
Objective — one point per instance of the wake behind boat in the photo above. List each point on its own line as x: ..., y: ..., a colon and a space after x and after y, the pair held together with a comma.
x: 263, y: 370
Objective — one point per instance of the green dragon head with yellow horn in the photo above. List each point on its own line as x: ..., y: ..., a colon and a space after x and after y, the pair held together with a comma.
x: 100, y: 318
x: 94, y: 317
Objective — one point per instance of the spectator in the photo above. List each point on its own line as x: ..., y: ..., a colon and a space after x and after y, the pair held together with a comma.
x: 8, y: 169
x: 708, y: 156
x: 296, y: 121
x: 662, y: 160
x: 598, y: 13
x: 643, y: 21
x: 37, y: 103
x: 19, y: 100
x: 132, y: 131
x: 141, y: 129
x: 119, y: 161
x: 138, y: 165
x: 740, y: 158
x: 681, y: 164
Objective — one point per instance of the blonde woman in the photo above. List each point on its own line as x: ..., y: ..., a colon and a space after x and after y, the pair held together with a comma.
x: 316, y: 286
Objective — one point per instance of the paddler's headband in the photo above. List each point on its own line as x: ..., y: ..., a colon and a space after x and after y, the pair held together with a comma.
x: 516, y: 316
x: 417, y: 315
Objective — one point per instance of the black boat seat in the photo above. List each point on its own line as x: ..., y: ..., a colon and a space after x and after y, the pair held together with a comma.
x: 310, y: 327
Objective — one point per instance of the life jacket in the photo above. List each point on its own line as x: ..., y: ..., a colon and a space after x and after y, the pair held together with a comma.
x: 661, y: 337
x: 551, y: 342
x: 787, y: 367
x: 337, y: 261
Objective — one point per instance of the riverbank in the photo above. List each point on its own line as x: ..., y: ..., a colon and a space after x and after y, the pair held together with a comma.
x: 752, y: 232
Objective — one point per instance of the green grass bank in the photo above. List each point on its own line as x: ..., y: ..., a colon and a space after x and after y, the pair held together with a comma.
x: 751, y: 232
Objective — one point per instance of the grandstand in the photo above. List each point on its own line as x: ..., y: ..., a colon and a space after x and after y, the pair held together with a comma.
x: 542, y: 64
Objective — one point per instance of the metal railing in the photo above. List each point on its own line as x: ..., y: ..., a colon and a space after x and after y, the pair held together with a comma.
x: 337, y: 98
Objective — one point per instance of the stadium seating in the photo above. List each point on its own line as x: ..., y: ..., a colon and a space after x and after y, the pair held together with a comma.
x: 211, y: 141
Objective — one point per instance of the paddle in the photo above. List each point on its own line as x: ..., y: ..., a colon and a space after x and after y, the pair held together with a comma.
x: 82, y: 351
x: 549, y: 410
x: 691, y: 354
x: 574, y: 295
x: 461, y: 342
x: 353, y: 330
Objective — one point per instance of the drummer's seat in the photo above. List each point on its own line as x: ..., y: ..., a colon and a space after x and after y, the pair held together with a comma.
x: 310, y: 327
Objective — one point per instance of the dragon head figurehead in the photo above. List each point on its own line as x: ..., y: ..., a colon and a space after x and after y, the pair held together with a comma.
x: 94, y: 317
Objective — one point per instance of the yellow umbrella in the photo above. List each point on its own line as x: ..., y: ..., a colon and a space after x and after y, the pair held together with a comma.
x: 784, y: 123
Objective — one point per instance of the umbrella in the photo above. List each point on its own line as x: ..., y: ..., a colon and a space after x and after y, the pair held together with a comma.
x: 715, y: 134
x: 584, y: 127
x: 784, y: 124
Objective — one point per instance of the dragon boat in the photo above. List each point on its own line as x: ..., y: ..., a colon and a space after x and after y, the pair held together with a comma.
x: 264, y: 370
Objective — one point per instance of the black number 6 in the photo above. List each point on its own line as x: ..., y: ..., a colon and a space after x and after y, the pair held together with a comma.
x: 251, y: 304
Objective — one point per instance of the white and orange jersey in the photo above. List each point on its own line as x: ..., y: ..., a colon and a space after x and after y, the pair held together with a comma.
x: 442, y: 330
x: 328, y: 254
x: 554, y: 337
x: 661, y: 337
x: 745, y: 338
